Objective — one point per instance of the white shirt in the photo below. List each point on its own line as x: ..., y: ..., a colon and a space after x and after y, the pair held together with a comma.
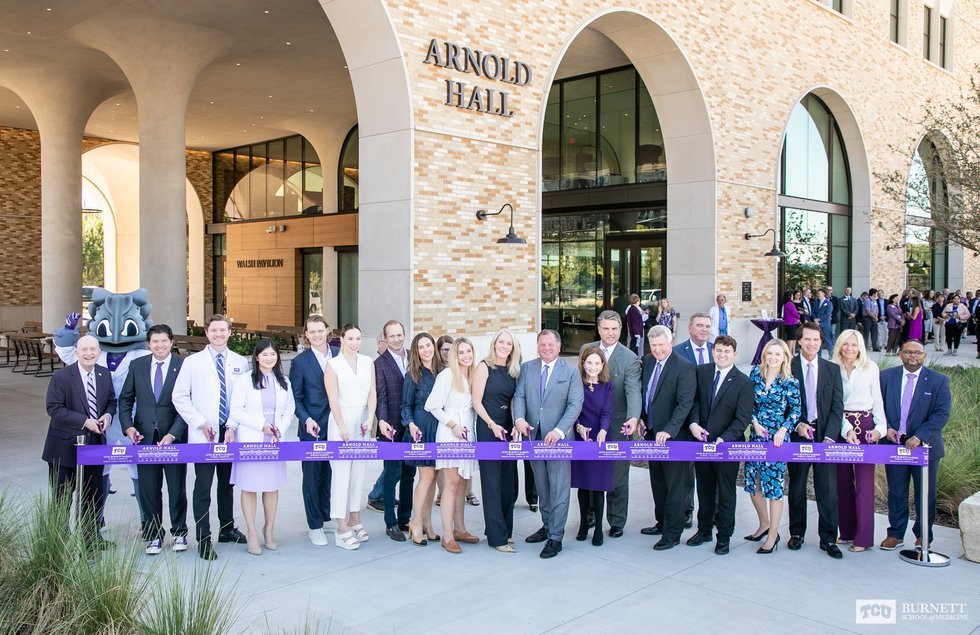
x: 322, y: 358
x: 401, y: 360
x: 905, y: 378
x: 862, y: 391
x: 816, y: 376
x: 551, y: 371
x: 153, y: 367
x: 85, y: 373
x: 721, y: 378
x: 607, y: 351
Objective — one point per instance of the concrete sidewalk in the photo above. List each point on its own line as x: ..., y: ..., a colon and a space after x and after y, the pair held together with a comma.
x: 622, y: 586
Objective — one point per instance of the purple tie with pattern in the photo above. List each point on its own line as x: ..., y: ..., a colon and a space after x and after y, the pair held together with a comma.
x: 700, y: 356
x: 158, y: 381
x: 907, y: 402
x: 811, y: 393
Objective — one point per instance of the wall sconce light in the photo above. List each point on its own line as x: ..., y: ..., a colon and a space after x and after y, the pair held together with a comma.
x: 775, y: 252
x: 282, y: 228
x: 511, y: 238
x: 271, y: 229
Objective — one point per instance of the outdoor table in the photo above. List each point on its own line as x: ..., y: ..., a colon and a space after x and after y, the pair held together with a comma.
x: 766, y: 326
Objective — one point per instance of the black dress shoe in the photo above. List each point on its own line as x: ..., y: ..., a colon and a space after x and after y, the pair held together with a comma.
x: 689, y: 519
x: 403, y: 526
x: 551, y: 549
x: 395, y: 533
x: 775, y: 545
x: 663, y: 544
x: 795, y: 542
x: 832, y: 550
x: 539, y: 536
x: 206, y: 550
x: 232, y: 535
x: 615, y: 532
x: 698, y: 539
x: 721, y: 548
x: 583, y: 532
x: 597, y: 538
x: 755, y: 538
x: 534, y: 507
x: 656, y: 530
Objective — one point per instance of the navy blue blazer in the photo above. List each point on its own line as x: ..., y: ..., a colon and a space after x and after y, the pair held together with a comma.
x: 67, y: 405
x: 673, y: 399
x: 931, y: 404
x: 389, y: 383
x: 686, y: 350
x: 309, y: 393
x: 824, y: 313
x: 138, y: 408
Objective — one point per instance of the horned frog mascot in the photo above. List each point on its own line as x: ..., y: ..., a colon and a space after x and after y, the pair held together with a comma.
x: 119, y: 321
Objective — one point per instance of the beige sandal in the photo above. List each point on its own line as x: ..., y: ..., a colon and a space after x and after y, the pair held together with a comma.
x: 506, y: 549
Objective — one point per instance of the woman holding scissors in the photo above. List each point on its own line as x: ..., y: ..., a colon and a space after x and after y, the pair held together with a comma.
x: 260, y: 411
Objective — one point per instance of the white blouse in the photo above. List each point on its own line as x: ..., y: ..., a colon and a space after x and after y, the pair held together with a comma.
x: 862, y: 391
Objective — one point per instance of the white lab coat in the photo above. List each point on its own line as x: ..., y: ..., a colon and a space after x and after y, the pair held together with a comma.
x: 196, y: 393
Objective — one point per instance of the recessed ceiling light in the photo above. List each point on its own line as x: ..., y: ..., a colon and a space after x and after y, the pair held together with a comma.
x: 270, y: 96
x: 48, y: 9
x: 261, y: 117
x: 6, y: 50
x: 211, y: 102
x: 266, y: 11
x: 238, y: 63
x: 18, y: 106
x: 28, y: 32
x: 289, y: 43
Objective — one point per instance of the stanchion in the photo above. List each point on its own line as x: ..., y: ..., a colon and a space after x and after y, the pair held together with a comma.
x: 79, y: 486
x: 924, y: 557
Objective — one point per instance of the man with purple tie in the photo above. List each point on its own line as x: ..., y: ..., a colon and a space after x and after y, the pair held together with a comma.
x: 917, y: 404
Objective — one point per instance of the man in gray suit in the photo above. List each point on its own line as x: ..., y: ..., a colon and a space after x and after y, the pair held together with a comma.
x: 624, y: 374
x: 547, y: 402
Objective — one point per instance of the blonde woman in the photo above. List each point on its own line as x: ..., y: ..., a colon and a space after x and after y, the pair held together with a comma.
x: 451, y: 403
x: 864, y: 423
x: 494, y: 384
x: 776, y: 412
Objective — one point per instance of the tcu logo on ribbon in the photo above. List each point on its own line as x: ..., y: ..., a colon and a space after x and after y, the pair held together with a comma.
x: 319, y: 447
x: 806, y: 448
x: 903, y: 451
x: 418, y: 447
x: 874, y: 611
x: 515, y: 447
x: 117, y: 451
x: 709, y: 447
x: 220, y: 448
x: 612, y: 447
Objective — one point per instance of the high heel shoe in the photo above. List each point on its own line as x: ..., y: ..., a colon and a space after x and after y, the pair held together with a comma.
x: 757, y: 538
x: 257, y: 551
x: 421, y: 542
x: 433, y: 537
x: 770, y: 550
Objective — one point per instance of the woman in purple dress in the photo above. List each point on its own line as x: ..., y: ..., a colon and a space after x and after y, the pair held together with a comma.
x: 634, y: 325
x: 593, y: 478
x: 915, y: 317
x: 261, y: 410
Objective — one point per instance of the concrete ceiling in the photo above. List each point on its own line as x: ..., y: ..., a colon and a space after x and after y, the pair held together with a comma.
x: 591, y: 51
x: 283, y: 69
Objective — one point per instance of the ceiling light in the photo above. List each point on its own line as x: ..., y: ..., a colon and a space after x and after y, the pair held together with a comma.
x: 238, y: 63
x: 266, y: 11
x: 289, y: 43
x: 48, y: 9
x: 28, y: 32
x: 210, y: 102
x: 261, y: 117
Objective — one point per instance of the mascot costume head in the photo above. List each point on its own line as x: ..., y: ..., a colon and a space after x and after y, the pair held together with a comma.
x: 118, y: 320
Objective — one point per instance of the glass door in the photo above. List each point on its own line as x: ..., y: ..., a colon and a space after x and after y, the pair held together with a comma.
x: 635, y: 266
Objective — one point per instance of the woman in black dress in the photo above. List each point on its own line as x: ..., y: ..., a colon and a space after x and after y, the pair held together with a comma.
x: 493, y: 386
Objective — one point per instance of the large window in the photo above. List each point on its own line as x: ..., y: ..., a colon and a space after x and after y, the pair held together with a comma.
x: 926, y: 248
x: 927, y: 33
x: 601, y: 130
x: 348, y: 193
x: 271, y: 179
x: 814, y: 200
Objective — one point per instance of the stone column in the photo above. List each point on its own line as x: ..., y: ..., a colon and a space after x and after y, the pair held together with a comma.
x: 162, y: 60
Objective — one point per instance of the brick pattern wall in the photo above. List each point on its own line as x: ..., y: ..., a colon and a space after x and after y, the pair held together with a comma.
x: 20, y: 217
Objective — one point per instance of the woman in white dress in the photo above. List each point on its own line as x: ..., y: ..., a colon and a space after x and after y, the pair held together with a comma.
x: 261, y: 410
x: 349, y: 380
x: 451, y: 403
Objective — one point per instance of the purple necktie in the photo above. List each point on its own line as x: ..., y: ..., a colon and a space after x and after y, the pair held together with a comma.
x: 700, y: 356
x: 158, y: 381
x: 544, y: 381
x: 714, y: 390
x: 907, y: 401
x: 811, y: 393
x: 652, y: 390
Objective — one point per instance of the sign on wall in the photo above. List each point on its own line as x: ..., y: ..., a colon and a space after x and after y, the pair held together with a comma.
x: 489, y: 66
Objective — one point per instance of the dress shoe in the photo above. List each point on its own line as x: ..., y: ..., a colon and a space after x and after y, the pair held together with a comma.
x: 539, y: 536
x: 450, y: 546
x: 832, y: 550
x: 721, y: 547
x: 663, y: 544
x: 689, y: 519
x: 534, y: 507
x: 891, y: 543
x: 180, y: 544
x: 205, y: 549
x: 551, y: 549
x: 656, y: 530
x: 583, y: 532
x: 376, y: 505
x: 395, y: 534
x: 775, y: 545
x: 615, y: 532
x: 232, y: 535
x: 757, y: 537
x: 796, y: 542
x: 318, y: 538
x: 465, y: 537
x: 403, y: 526
x: 698, y: 539
x: 597, y: 538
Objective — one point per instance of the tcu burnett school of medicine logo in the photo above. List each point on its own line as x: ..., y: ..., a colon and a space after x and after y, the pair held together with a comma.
x: 319, y: 447
x: 612, y: 447
x: 220, y: 448
x: 806, y: 448
x: 709, y: 447
x: 515, y: 447
x: 904, y: 451
x: 418, y: 447
x: 874, y: 611
x: 118, y: 450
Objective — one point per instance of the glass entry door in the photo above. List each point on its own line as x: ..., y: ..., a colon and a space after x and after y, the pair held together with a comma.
x: 635, y: 266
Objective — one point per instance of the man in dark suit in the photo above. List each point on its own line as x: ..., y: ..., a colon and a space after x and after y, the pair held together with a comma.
x: 850, y: 308
x: 697, y: 350
x: 821, y: 414
x: 389, y: 376
x: 917, y: 404
x: 835, y: 311
x: 624, y: 374
x: 81, y: 402
x: 668, y: 383
x: 312, y: 411
x: 721, y: 413
x: 547, y: 402
x: 824, y: 313
x: 148, y: 416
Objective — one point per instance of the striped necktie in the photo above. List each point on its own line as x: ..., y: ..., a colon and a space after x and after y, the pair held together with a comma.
x: 93, y: 410
x: 223, y: 394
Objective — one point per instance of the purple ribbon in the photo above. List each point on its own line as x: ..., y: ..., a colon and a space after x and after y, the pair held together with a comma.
x: 886, y: 454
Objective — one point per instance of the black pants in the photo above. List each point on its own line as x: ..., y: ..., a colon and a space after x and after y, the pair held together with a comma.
x: 150, y: 494
x: 530, y: 493
x: 716, y: 498
x: 825, y: 490
x: 591, y: 501
x: 497, y: 482
x: 203, y: 479
x: 953, y: 334
x: 404, y: 474
x: 62, y: 480
x: 316, y: 492
x: 669, y: 482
